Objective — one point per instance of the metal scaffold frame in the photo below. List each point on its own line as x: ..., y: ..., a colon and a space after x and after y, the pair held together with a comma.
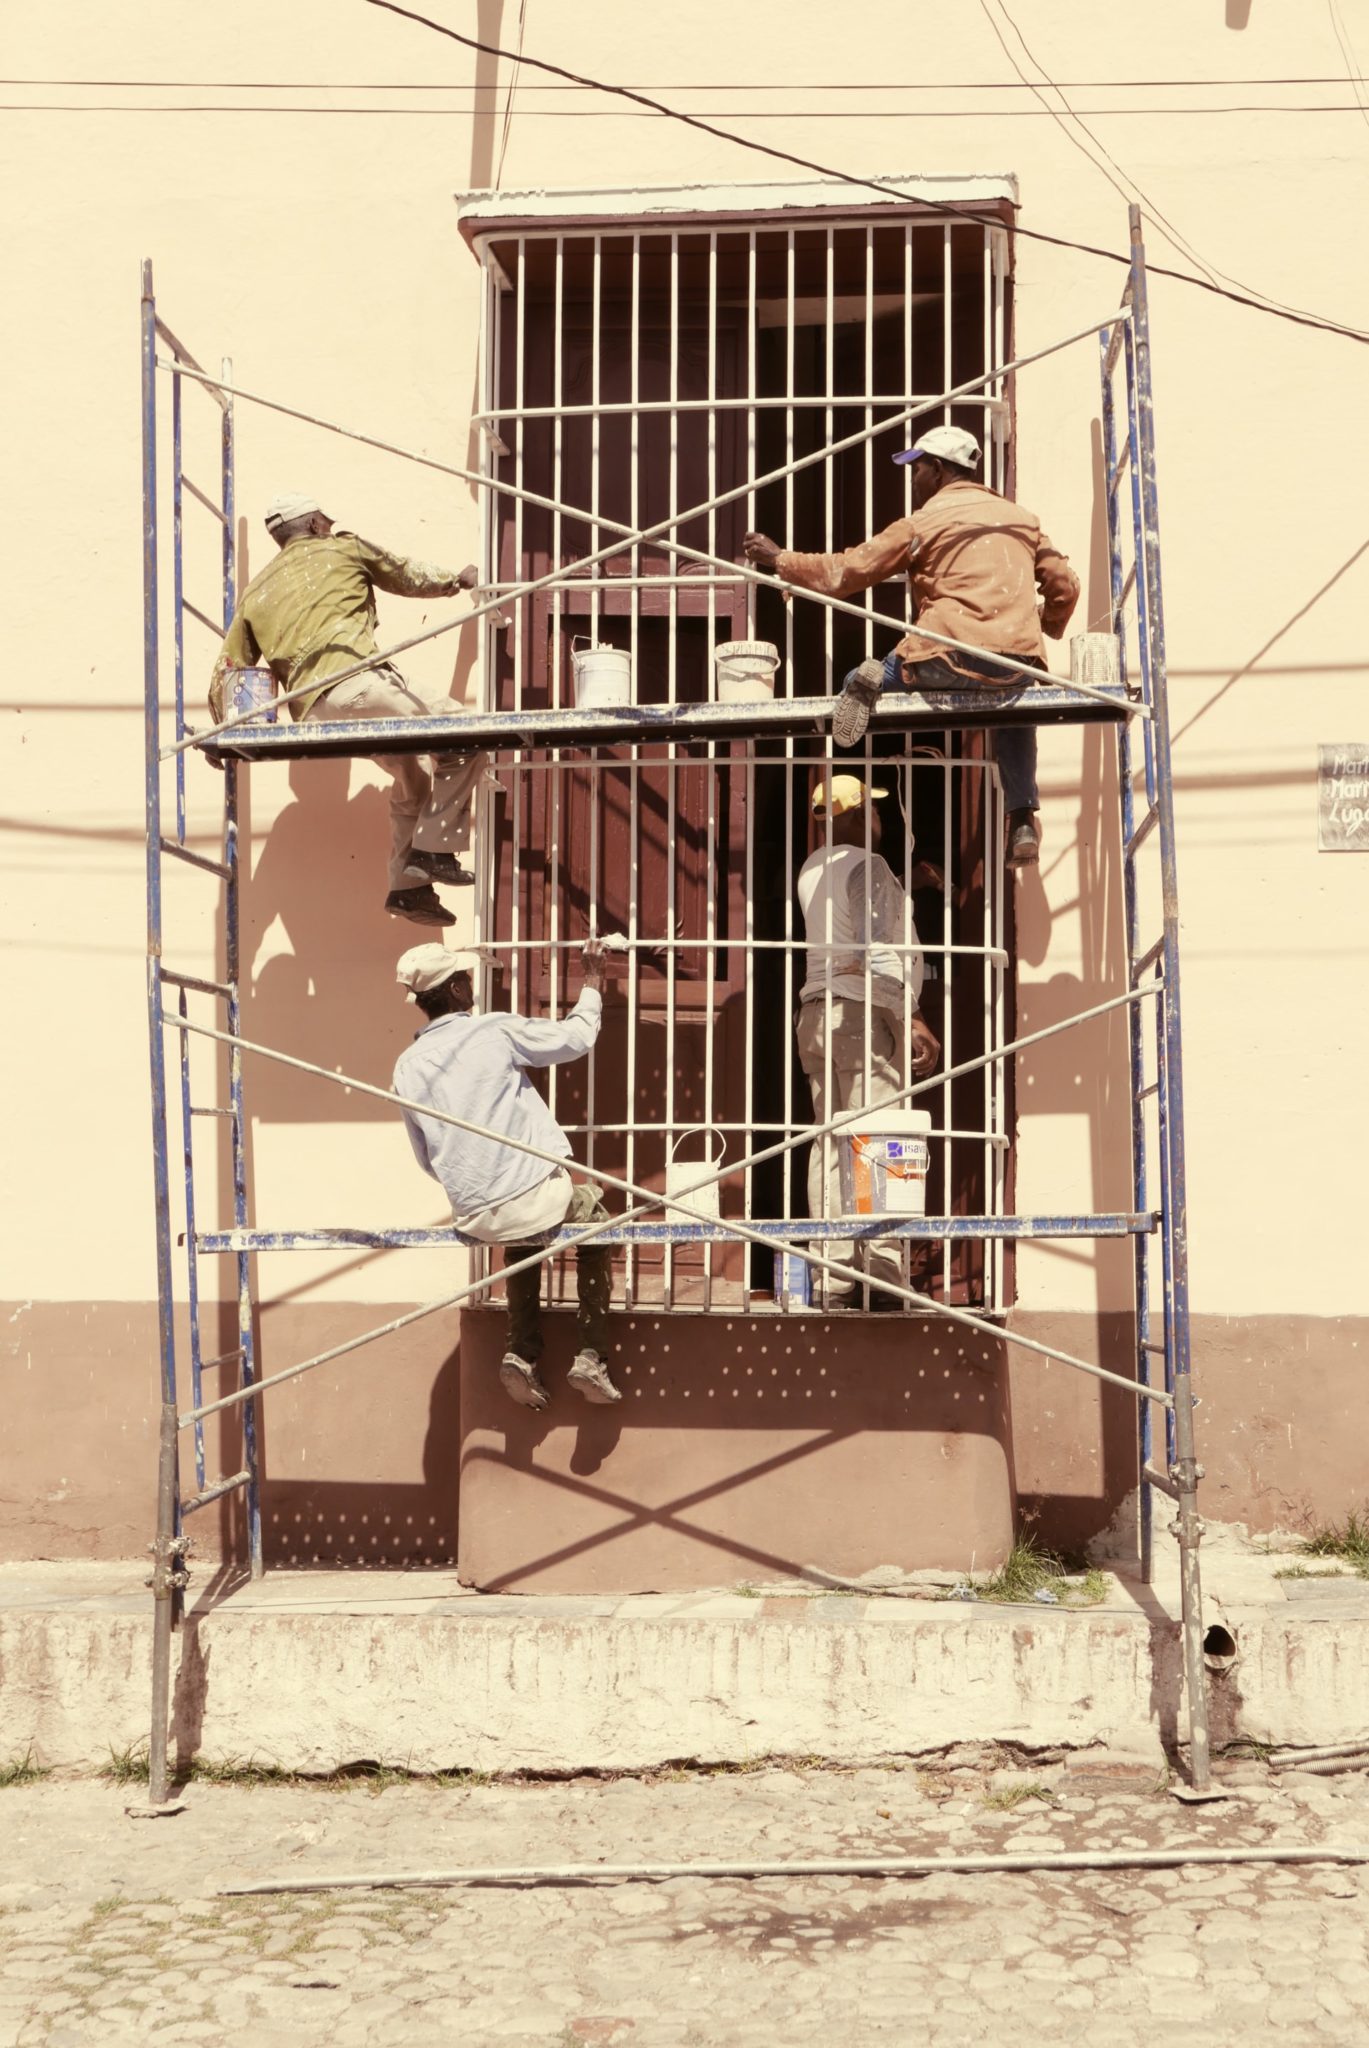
x: 1133, y: 698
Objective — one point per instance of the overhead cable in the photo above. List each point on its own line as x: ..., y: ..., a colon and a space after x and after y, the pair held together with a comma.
x: 1166, y: 226
x: 858, y: 182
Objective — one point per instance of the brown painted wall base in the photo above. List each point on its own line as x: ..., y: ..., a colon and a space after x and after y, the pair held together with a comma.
x: 779, y: 1442
x: 745, y: 1449
x: 360, y: 1456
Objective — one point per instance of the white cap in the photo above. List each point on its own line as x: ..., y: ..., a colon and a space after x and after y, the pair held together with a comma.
x: 952, y: 444
x: 425, y: 967
x: 290, y: 505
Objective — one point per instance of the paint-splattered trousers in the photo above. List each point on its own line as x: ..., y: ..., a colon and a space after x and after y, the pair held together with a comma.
x: 554, y: 1203
x: 431, y: 812
x: 854, y: 1085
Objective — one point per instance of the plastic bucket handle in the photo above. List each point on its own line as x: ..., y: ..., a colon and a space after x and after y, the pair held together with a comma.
x: 692, y: 1130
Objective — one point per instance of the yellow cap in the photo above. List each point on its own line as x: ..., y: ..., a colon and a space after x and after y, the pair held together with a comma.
x: 848, y: 793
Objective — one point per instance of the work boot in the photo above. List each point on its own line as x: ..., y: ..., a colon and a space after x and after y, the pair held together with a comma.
x: 442, y: 867
x: 1024, y: 839
x: 522, y: 1382
x: 589, y: 1377
x: 423, y: 905
x: 859, y: 693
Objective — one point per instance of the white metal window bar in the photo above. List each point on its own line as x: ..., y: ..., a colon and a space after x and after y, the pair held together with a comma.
x: 677, y: 337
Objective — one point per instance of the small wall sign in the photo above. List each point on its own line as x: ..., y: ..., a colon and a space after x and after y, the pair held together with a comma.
x: 1343, y: 797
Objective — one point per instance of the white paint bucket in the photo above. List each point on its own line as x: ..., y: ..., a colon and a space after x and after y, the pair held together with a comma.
x: 884, y: 1169
x: 254, y: 689
x: 746, y: 671
x: 682, y: 1176
x: 603, y: 674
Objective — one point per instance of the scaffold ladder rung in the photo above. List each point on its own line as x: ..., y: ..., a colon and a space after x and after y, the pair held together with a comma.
x: 198, y: 984
x: 1143, y: 831
x: 1143, y: 962
x: 195, y: 860
x: 215, y: 1492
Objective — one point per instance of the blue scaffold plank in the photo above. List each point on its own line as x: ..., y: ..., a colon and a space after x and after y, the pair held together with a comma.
x: 611, y: 725
x: 841, y: 1229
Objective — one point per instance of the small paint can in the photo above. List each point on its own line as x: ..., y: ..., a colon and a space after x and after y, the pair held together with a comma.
x: 793, y: 1281
x: 254, y: 689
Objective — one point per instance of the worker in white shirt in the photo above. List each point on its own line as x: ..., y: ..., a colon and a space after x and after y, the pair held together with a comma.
x: 476, y: 1068
x: 863, y: 981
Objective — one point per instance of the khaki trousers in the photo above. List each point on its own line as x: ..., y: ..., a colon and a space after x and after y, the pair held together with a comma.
x: 431, y: 812
x: 853, y: 1086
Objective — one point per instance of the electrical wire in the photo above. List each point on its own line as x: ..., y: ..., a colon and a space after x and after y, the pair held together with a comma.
x: 1091, y: 150
x: 731, y: 85
x: 788, y: 114
x: 514, y: 78
x: 1356, y: 77
x: 866, y: 184
x: 1167, y: 227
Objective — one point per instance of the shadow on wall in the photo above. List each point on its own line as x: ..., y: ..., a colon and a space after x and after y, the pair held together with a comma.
x: 1084, y: 1071
x: 330, y: 998
x: 342, y: 1420
x: 1075, y: 1441
x: 744, y: 1448
x: 376, y: 1523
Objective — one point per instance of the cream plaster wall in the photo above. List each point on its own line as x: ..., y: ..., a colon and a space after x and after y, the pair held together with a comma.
x: 319, y: 249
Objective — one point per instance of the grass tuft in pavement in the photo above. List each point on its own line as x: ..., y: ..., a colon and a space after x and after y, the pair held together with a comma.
x: 129, y: 1767
x: 1016, y: 1795
x: 1347, y: 1540
x: 22, y: 1770
x: 126, y: 1766
x: 1028, y: 1570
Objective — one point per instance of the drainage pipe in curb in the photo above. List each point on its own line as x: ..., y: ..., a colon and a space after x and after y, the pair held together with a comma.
x: 825, y: 1866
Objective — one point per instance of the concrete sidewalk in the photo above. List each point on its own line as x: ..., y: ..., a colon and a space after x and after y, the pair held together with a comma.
x: 312, y: 1671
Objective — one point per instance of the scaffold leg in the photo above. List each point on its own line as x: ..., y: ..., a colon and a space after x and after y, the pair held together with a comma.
x: 1188, y: 1528
x: 168, y: 1579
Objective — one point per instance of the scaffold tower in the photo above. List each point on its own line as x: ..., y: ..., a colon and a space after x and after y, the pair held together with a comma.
x: 682, y: 759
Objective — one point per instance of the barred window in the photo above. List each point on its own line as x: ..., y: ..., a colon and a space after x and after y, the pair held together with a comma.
x: 631, y: 371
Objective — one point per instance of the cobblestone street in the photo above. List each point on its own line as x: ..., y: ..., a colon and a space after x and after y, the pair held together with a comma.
x: 112, y: 1929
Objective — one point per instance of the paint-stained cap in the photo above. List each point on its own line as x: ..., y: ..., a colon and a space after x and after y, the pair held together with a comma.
x: 290, y: 505
x: 952, y: 444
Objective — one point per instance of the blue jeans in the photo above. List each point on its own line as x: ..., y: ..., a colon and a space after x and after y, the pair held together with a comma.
x: 1013, y: 746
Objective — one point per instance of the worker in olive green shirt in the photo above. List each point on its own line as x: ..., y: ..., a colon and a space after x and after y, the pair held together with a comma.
x: 312, y: 613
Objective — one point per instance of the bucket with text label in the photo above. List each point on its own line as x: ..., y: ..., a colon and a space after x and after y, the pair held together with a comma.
x: 884, y: 1169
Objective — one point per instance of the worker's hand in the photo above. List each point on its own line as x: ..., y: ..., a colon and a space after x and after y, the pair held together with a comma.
x: 924, y: 1048
x: 761, y: 551
x: 596, y: 965
x: 926, y: 875
x: 469, y: 577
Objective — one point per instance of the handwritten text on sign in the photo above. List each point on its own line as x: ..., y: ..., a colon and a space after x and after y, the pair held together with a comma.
x: 1343, y: 798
